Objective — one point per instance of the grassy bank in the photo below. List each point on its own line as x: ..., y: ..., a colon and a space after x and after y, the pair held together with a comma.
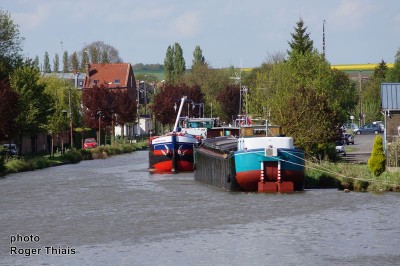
x: 17, y: 164
x: 355, y: 177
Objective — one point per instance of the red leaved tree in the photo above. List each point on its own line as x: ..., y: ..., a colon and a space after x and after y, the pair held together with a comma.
x: 109, y: 106
x: 168, y: 96
x: 229, y: 98
x: 125, y: 108
x: 8, y: 111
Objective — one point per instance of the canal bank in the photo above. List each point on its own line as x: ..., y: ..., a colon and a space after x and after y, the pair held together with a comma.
x: 114, y: 212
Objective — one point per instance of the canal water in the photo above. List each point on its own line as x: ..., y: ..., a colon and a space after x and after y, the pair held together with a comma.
x: 113, y: 212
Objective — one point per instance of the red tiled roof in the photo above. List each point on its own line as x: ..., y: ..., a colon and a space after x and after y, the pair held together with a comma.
x: 111, y: 75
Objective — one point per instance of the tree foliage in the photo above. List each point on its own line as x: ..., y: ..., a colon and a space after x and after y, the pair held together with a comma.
x: 377, y: 161
x: 169, y: 96
x: 74, y: 60
x: 8, y: 111
x: 304, y: 96
x: 113, y: 106
x: 56, y: 63
x: 301, y: 42
x: 99, y: 52
x: 10, y: 44
x: 63, y: 94
x: 65, y: 62
x: 34, y: 104
x: 229, y: 99
x: 46, y: 63
x: 394, y: 73
x: 169, y: 64
x: 174, y: 64
x: 198, y: 58
x: 371, y: 93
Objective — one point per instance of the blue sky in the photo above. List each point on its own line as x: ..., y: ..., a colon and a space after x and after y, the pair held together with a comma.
x: 229, y: 32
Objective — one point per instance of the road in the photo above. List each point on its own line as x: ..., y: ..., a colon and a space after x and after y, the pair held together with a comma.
x: 361, y: 150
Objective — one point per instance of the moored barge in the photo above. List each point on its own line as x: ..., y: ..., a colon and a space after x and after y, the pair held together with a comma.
x: 257, y: 163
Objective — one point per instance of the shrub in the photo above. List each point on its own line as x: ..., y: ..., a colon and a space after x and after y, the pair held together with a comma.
x: 2, y: 166
x: 72, y: 156
x: 18, y: 165
x: 40, y: 163
x: 360, y: 185
x: 377, y: 161
x: 86, y: 154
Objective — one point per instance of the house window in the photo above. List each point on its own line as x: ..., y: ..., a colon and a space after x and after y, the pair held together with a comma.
x: 95, y: 81
x: 116, y: 81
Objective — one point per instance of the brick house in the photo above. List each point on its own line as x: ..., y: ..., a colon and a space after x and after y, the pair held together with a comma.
x: 390, y: 100
x: 117, y: 76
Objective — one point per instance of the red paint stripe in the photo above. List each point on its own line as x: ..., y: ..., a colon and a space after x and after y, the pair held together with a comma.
x: 166, y: 166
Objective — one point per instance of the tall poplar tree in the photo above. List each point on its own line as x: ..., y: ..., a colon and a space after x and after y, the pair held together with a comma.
x: 46, y: 63
x: 74, y: 61
x: 56, y: 63
x: 301, y: 42
x: 169, y: 64
x: 198, y: 58
x: 179, y: 62
x: 65, y: 62
x: 85, y: 60
x: 36, y: 63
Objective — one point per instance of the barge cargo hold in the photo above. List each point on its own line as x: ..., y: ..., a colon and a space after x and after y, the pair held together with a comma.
x: 263, y: 164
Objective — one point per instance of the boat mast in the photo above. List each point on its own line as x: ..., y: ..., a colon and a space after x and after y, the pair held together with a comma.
x: 179, y: 113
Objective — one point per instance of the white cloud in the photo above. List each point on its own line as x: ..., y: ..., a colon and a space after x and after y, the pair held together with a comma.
x: 186, y: 25
x: 33, y: 19
x: 351, y: 14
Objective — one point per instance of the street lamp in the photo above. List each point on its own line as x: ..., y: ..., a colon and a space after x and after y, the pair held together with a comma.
x: 70, y: 118
x: 99, y: 114
x: 361, y: 115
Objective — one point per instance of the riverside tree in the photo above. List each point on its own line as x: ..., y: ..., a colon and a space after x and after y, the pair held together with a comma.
x: 56, y: 63
x: 174, y: 64
x: 10, y: 45
x: 34, y: 104
x: 371, y: 93
x: 394, y: 73
x: 110, y: 107
x: 99, y: 52
x: 65, y: 62
x: 304, y: 96
x: 46, y: 63
x: 377, y: 161
x: 198, y: 58
x: 169, y: 96
x: 8, y: 111
x: 301, y: 42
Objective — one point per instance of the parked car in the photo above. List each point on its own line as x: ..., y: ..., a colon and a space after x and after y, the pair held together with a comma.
x: 350, y: 127
x: 380, y: 124
x: 10, y: 149
x: 369, y: 129
x: 90, y: 143
x: 348, y: 138
x: 340, y: 147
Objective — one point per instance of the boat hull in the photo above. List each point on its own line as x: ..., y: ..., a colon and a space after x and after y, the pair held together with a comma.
x: 287, y: 166
x: 172, y: 153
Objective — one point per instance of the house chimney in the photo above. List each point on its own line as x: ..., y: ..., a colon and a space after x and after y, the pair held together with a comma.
x: 87, y: 69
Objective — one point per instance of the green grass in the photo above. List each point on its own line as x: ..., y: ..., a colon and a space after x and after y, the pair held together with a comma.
x: 350, y: 176
x: 17, y: 164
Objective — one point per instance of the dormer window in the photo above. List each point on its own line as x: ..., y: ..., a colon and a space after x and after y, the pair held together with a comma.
x: 116, y: 81
x: 95, y: 81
